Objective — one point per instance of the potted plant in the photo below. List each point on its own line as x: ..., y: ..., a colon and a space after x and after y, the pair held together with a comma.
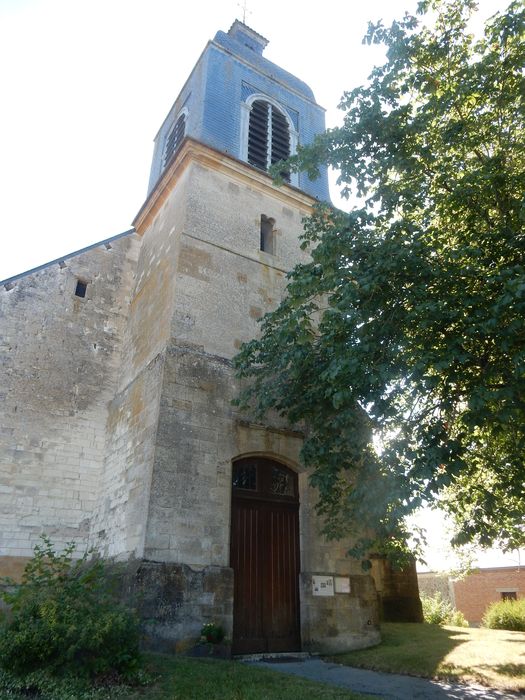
x: 212, y: 633
x: 212, y: 642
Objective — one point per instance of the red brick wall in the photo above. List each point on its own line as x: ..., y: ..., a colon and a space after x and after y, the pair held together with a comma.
x: 474, y: 593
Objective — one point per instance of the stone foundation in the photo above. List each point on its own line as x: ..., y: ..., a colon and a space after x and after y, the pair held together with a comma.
x: 174, y: 601
x: 341, y: 622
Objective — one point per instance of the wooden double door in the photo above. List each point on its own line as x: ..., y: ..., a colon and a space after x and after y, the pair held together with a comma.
x: 264, y: 556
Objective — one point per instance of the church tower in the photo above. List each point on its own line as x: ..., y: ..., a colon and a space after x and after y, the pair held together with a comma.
x: 210, y: 509
x: 225, y: 501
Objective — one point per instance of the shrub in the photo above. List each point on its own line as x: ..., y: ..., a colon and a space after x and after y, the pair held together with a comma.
x: 437, y: 611
x: 457, y: 619
x: 43, y: 686
x: 506, y: 615
x: 63, y: 620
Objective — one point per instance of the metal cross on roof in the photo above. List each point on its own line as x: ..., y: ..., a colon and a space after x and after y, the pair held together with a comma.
x: 245, y: 10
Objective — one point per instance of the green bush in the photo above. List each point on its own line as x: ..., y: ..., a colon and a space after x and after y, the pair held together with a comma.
x: 63, y: 620
x: 457, y: 619
x: 506, y: 615
x: 43, y: 686
x: 437, y: 611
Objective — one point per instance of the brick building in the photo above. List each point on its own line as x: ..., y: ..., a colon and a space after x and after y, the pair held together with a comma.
x: 474, y: 593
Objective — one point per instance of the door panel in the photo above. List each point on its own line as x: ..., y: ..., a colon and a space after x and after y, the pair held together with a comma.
x: 283, y: 569
x: 265, y: 560
x: 246, y: 558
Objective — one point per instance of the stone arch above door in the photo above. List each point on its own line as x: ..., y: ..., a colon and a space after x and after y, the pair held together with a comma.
x: 253, y: 440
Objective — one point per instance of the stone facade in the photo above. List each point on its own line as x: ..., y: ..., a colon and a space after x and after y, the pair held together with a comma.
x: 398, y: 591
x: 59, y: 355
x: 119, y: 428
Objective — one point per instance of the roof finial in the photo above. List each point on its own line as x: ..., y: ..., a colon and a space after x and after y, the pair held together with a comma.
x: 245, y: 10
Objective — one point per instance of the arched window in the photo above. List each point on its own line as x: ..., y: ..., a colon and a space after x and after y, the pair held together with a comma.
x: 268, y: 136
x: 174, y: 139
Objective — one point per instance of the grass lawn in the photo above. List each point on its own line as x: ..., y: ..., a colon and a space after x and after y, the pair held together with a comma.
x: 202, y: 679
x: 495, y: 658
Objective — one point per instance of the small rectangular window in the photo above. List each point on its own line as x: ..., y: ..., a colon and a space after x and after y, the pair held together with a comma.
x: 509, y: 595
x: 81, y: 289
x: 267, y: 235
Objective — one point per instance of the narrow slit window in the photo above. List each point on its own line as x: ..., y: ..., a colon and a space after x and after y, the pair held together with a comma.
x: 81, y: 289
x: 267, y: 244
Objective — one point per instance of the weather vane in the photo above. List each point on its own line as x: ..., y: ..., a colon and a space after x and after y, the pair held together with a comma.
x: 245, y: 10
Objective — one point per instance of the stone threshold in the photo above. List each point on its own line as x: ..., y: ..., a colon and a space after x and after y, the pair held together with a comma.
x: 279, y: 657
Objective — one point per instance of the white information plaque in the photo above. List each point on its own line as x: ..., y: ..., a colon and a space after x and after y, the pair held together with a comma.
x: 342, y: 584
x: 323, y: 585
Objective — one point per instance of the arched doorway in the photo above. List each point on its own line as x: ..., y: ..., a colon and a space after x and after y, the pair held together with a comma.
x: 264, y: 556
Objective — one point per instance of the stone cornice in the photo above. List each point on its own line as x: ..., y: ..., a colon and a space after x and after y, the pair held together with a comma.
x: 192, y: 151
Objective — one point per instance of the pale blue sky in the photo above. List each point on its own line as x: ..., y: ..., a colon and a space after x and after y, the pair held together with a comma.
x: 85, y: 84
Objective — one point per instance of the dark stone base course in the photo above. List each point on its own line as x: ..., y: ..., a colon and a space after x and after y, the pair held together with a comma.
x: 205, y: 650
x: 174, y: 601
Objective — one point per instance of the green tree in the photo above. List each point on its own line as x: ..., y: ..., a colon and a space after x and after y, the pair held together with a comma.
x: 401, y: 344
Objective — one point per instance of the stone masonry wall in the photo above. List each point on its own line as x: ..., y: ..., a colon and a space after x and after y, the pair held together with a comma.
x: 398, y: 591
x: 119, y: 428
x: 174, y: 599
x: 223, y: 283
x: 59, y: 356
x: 122, y: 511
x: 117, y: 528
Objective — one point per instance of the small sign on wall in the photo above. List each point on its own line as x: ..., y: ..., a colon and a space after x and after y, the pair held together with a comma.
x: 342, y: 584
x: 323, y: 585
